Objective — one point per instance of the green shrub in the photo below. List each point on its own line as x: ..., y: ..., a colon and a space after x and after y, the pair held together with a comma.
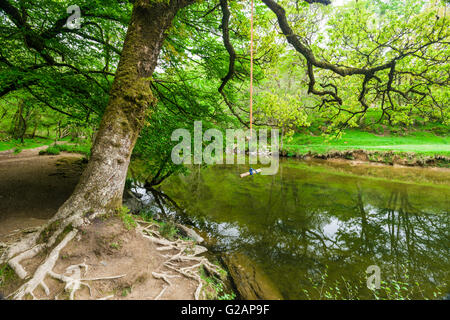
x: 72, y: 148
x: 126, y: 291
x: 127, y: 218
x: 147, y: 215
x: 214, y: 288
x: 6, y: 274
x: 168, y: 230
x: 76, y: 148
x: 115, y: 245
x: 52, y: 150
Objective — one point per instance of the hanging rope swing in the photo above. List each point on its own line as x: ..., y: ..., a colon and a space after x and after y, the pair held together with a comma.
x: 251, y: 170
x: 251, y: 68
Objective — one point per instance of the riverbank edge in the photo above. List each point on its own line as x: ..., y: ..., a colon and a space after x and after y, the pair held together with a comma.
x: 212, y: 288
x: 409, y: 159
x: 242, y: 280
x: 133, y: 204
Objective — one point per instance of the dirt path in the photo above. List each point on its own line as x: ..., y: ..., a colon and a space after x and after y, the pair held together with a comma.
x: 33, y: 187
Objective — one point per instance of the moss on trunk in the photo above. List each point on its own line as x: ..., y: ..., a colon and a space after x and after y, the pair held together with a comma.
x: 101, y: 185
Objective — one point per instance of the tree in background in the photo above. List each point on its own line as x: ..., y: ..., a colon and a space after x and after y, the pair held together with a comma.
x: 391, y: 58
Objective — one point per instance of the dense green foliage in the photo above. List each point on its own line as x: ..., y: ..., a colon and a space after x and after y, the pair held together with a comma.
x: 410, y: 36
x: 367, y: 64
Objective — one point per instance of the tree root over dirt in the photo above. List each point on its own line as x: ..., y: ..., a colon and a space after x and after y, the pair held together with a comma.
x: 182, y: 259
x: 73, y: 282
x: 54, y: 236
x: 42, y: 270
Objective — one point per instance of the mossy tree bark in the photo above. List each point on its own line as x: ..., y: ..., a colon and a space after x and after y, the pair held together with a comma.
x: 101, y: 186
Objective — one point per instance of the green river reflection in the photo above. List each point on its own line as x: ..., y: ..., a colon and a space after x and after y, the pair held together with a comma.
x: 317, y: 217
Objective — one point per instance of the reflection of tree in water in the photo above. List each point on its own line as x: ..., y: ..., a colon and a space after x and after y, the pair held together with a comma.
x: 284, y: 226
x: 417, y: 238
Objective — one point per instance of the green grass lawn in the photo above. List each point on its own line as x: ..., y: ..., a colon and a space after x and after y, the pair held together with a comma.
x: 418, y: 142
x: 28, y: 144
x: 17, y: 146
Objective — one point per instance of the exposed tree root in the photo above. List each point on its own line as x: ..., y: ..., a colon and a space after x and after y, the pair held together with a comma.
x: 182, y: 258
x: 164, y: 277
x: 42, y: 271
x: 184, y: 252
x: 29, y: 246
x: 74, y: 282
x: 33, y: 243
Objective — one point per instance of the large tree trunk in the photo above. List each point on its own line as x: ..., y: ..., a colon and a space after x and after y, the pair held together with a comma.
x: 101, y: 186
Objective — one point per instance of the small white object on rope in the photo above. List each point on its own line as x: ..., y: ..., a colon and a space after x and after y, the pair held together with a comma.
x: 250, y: 172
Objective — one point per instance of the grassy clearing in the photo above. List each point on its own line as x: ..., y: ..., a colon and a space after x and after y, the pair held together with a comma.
x: 17, y: 146
x: 424, y: 143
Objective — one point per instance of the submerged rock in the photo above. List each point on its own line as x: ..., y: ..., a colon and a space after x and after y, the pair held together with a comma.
x: 250, y: 280
x: 133, y: 204
x: 188, y: 232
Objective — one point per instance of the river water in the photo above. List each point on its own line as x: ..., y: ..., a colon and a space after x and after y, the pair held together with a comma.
x: 315, y: 227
